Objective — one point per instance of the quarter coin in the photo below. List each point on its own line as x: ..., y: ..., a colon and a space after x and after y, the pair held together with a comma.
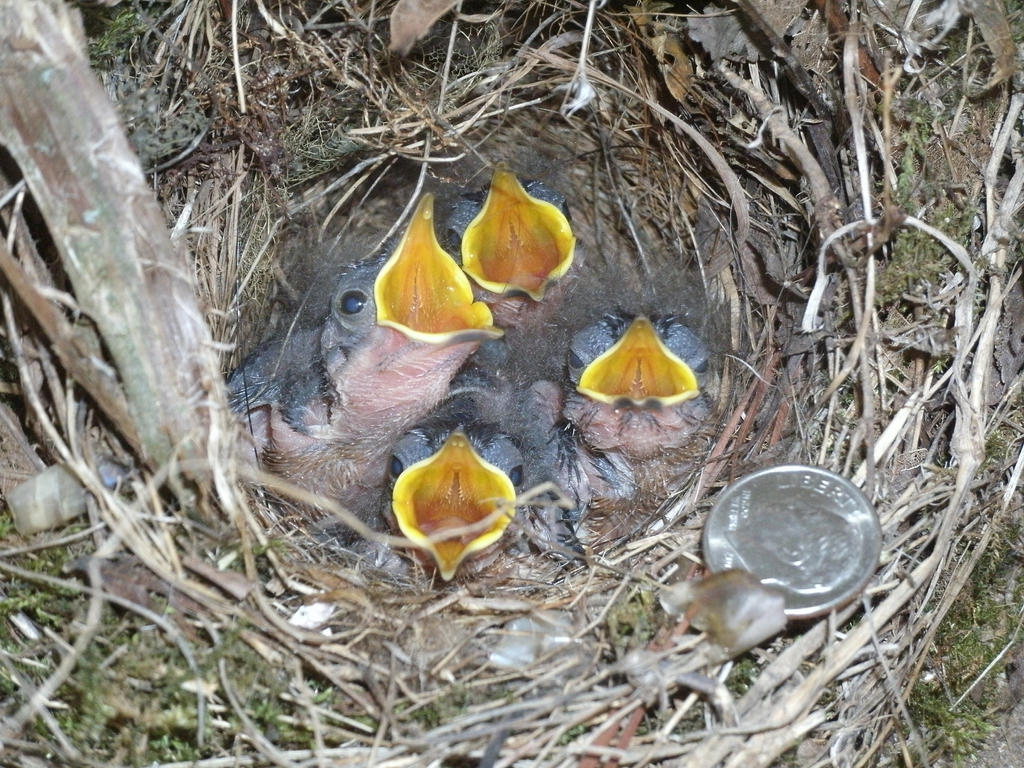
x: 803, y: 529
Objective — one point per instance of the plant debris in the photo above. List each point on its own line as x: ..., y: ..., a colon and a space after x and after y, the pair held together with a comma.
x: 840, y: 192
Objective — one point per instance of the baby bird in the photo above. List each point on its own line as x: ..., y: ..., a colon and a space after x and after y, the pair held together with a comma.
x: 456, y: 477
x: 286, y: 380
x: 455, y: 485
x: 636, y: 389
x: 516, y: 245
x: 328, y: 402
x: 631, y: 418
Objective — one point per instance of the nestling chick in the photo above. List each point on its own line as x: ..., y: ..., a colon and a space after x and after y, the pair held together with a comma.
x: 516, y: 245
x: 636, y: 388
x: 631, y: 418
x: 327, y: 403
x: 456, y: 477
x: 455, y: 486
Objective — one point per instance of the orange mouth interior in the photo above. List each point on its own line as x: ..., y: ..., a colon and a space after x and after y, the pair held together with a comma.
x: 453, y: 503
x: 517, y: 243
x: 422, y: 292
x: 639, y: 369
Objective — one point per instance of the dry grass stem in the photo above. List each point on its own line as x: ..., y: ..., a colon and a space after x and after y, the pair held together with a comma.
x: 839, y: 196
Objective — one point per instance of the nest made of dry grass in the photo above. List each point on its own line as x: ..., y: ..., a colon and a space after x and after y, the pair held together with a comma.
x: 831, y: 359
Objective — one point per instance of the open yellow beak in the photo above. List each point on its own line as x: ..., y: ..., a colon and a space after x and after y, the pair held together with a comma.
x: 421, y: 291
x: 639, y: 369
x: 451, y: 504
x: 517, y: 243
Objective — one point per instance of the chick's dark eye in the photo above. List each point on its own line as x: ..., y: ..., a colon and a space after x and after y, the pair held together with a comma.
x: 516, y: 475
x: 352, y: 302
x: 396, y: 467
x: 575, y: 361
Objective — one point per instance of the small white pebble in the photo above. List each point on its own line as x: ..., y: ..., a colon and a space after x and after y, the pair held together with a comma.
x: 312, y: 616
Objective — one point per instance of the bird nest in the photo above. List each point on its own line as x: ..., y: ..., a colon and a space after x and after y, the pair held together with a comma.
x: 862, y: 176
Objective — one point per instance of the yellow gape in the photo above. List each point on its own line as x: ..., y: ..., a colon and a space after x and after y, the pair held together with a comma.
x: 517, y: 243
x: 640, y: 370
x: 453, y: 503
x: 421, y: 291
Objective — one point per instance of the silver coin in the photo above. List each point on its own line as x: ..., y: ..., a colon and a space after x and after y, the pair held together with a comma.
x: 805, y: 530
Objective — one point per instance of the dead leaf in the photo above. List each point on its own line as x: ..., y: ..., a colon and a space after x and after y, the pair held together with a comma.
x: 412, y: 19
x: 127, y: 578
x: 990, y: 16
x: 675, y: 66
x: 667, y: 47
x: 719, y: 33
x: 235, y: 584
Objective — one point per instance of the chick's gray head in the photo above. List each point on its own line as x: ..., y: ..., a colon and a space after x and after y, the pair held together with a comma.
x: 352, y: 312
x: 637, y: 384
x: 596, y: 339
x: 493, y: 446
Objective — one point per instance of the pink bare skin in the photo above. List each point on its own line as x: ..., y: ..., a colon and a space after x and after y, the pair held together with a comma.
x: 386, y: 386
x: 627, y: 462
x: 635, y: 431
x: 519, y: 310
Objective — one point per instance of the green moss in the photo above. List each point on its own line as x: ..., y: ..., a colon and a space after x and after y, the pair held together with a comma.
x: 1001, y: 444
x: 937, y: 177
x: 917, y: 260
x: 977, y: 627
x: 742, y: 676
x: 176, y: 749
x: 916, y: 118
x: 128, y: 697
x: 111, y: 32
x: 140, y: 703
x: 6, y: 524
x: 631, y: 620
x: 957, y: 734
x: 572, y: 734
x: 49, y: 607
x: 442, y: 709
x: 131, y: 698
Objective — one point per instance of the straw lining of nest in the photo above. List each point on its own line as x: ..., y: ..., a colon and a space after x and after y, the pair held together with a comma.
x: 284, y: 123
